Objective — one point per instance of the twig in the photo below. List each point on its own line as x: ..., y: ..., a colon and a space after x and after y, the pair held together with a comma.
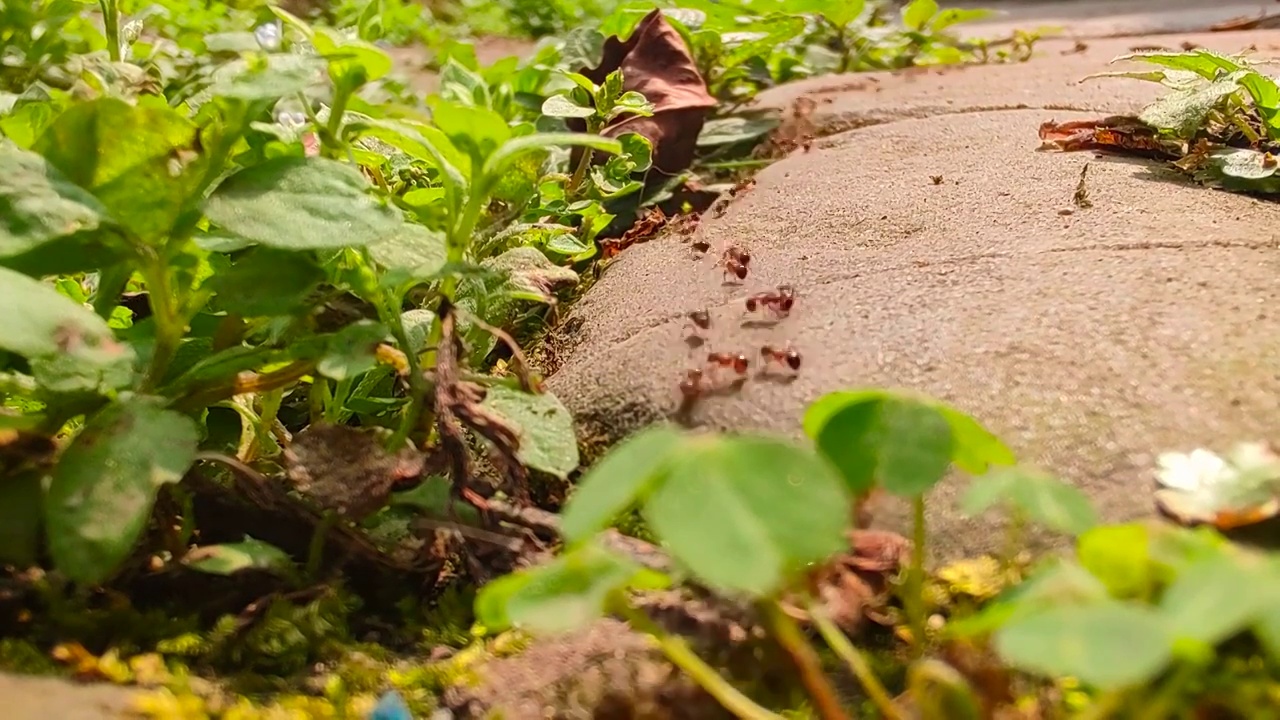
x: 858, y: 665
x: 805, y: 658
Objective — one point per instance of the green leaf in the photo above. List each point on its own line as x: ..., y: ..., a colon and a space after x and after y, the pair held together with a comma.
x: 735, y: 129
x: 1205, y: 63
x: 1176, y: 79
x: 897, y: 443
x: 297, y: 203
x: 1037, y: 496
x: 352, y: 350
x: 837, y: 12
x: 918, y: 12
x: 1240, y: 170
x: 746, y: 514
x: 352, y: 62
x: 956, y: 16
x: 530, y: 275
x: 562, y: 106
x: 478, y: 132
x: 1054, y: 584
x: 106, y: 481
x: 267, y: 78
x: 131, y: 157
x: 414, y: 254
x: 566, y: 594
x: 1266, y: 98
x: 1119, y: 556
x: 1183, y: 112
x: 38, y: 205
x: 231, y: 558
x: 544, y: 425
x: 501, y: 161
x: 1108, y: 645
x: 20, y: 497
x: 1215, y: 598
x: 39, y: 323
x: 620, y: 479
x: 267, y: 281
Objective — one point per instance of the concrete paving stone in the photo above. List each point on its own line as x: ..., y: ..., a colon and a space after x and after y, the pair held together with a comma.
x: 43, y: 698
x: 1050, y: 80
x: 1090, y: 342
x: 1107, y: 18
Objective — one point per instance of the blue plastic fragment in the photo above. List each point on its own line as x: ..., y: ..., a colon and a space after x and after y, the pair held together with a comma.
x: 391, y: 707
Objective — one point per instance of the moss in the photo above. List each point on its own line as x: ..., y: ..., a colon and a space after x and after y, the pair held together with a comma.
x: 22, y: 657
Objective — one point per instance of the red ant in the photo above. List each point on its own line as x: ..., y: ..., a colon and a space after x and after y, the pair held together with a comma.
x: 720, y: 207
x: 735, y: 261
x: 700, y: 318
x: 738, y: 362
x: 783, y: 356
x: 779, y: 301
x: 691, y: 386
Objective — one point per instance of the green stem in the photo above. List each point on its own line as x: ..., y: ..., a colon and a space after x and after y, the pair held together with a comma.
x: 805, y: 658
x: 330, y: 137
x: 584, y: 162
x: 111, y: 27
x: 1013, y: 538
x: 680, y: 655
x: 914, y: 595
x: 417, y: 385
x: 333, y: 413
x: 168, y: 325
x: 858, y: 665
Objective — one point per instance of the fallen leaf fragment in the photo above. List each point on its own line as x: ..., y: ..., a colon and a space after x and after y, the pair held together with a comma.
x: 347, y: 470
x: 1118, y: 133
x: 656, y: 63
x: 642, y: 231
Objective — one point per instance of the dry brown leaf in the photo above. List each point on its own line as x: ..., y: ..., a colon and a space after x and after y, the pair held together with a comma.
x: 347, y: 470
x: 1118, y: 133
x: 642, y: 231
x: 656, y: 63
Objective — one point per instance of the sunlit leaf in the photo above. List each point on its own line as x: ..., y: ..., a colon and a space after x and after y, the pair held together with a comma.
x: 918, y: 12
x: 1119, y: 556
x: 1216, y: 598
x: 621, y: 478
x: 544, y: 426
x: 267, y: 281
x: 231, y: 558
x: 1036, y: 496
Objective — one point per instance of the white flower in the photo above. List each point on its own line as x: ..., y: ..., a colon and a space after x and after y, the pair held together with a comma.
x: 291, y: 120
x: 1202, y: 485
x: 1192, y: 471
x: 269, y: 35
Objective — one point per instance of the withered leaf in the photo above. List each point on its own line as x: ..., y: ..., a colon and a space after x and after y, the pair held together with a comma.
x: 643, y: 231
x: 1118, y: 133
x: 656, y: 63
x: 347, y: 470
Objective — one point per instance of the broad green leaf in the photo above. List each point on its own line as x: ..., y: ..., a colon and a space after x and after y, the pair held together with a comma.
x: 1216, y: 598
x: 944, y: 19
x: 896, y: 443
x: 1176, y: 79
x: 423, y: 197
x: 267, y: 281
x: 745, y: 514
x: 20, y: 498
x: 1037, y: 496
x: 352, y: 350
x: 918, y: 12
x: 544, y: 425
x: 735, y: 129
x: 501, y: 161
x: 1205, y: 63
x: 1119, y: 556
x: 267, y: 78
x: 38, y: 206
x: 459, y: 83
x: 414, y: 254
x: 231, y: 558
x: 1240, y: 170
x: 352, y: 62
x: 530, y: 275
x: 568, y: 593
x: 621, y: 478
x: 297, y: 203
x: 1183, y: 112
x: 39, y: 323
x: 106, y: 482
x: 478, y: 132
x: 131, y: 157
x: 1266, y: 98
x: 562, y: 106
x: 423, y: 142
x: 1107, y: 645
x: 837, y: 12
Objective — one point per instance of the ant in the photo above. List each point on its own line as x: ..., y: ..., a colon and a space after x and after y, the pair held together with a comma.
x: 742, y: 187
x: 779, y: 301
x: 701, y: 246
x: 688, y: 225
x: 700, y: 320
x: 735, y: 261
x: 720, y: 207
x: 783, y: 356
x: 691, y: 386
x: 738, y: 362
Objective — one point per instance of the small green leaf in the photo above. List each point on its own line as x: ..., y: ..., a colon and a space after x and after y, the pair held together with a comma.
x: 267, y: 78
x: 956, y: 16
x: 1183, y: 112
x: 530, y: 275
x: 735, y: 129
x: 897, y: 443
x: 39, y: 323
x: 1205, y: 63
x: 746, y: 514
x: 501, y: 161
x: 352, y: 350
x: 1216, y: 598
x: 620, y: 479
x: 478, y: 132
x: 562, y: 106
x: 837, y: 12
x: 130, y: 157
x: 1107, y: 645
x: 566, y: 594
x: 414, y: 254
x: 1119, y: 556
x: 1054, y: 583
x: 38, y: 205
x: 231, y: 558
x: 297, y: 203
x: 918, y: 12
x: 1266, y: 98
x: 352, y: 62
x: 267, y: 281
x: 106, y: 482
x: 1039, y: 497
x: 544, y: 425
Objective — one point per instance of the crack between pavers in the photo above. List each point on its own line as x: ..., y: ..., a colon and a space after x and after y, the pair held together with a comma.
x: 667, y: 320
x: 863, y: 122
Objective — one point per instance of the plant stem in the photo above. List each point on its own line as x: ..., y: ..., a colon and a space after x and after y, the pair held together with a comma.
x: 680, y: 655
x: 914, y: 595
x: 417, y: 386
x: 858, y: 665
x: 111, y: 27
x: 805, y: 658
x: 169, y: 327
x: 330, y: 137
x: 584, y: 162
